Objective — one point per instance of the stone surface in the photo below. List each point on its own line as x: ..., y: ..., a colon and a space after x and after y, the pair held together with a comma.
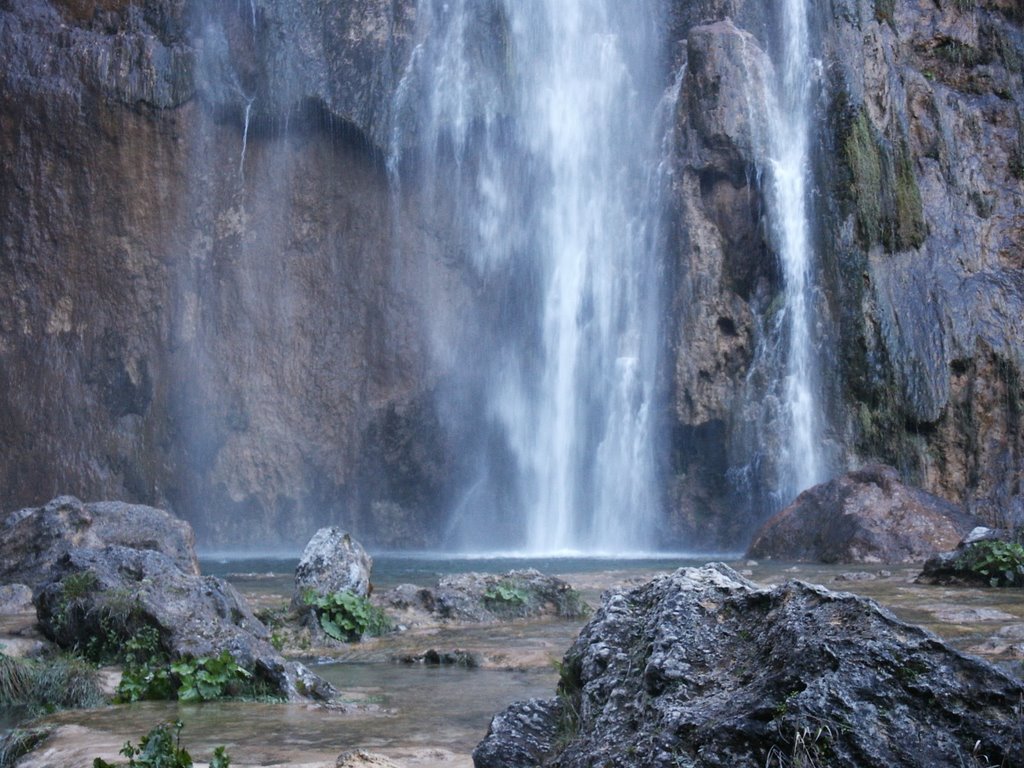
x: 865, y: 516
x: 34, y: 539
x: 246, y: 337
x: 15, y: 598
x: 195, y: 616
x: 918, y: 263
x: 703, y: 668
x: 333, y: 562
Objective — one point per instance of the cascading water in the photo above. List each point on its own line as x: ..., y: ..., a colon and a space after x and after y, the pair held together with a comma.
x: 553, y: 132
x: 786, y: 142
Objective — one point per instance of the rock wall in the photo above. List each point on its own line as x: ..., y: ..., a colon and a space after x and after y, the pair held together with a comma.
x: 919, y: 228
x: 205, y: 309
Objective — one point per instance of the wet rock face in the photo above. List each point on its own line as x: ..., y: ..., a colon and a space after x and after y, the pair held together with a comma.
x: 33, y: 540
x: 703, y: 668
x: 202, y: 314
x: 866, y: 516
x: 922, y: 139
x: 917, y: 227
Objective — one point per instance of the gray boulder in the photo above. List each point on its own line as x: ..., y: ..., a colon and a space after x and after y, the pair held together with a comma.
x: 34, y: 539
x: 333, y: 562
x: 107, y: 595
x: 704, y: 668
x: 486, y: 597
x: 865, y: 516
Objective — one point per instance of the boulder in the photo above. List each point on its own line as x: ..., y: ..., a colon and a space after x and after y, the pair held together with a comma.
x: 333, y: 562
x: 865, y: 516
x: 704, y: 668
x: 987, y: 557
x: 107, y: 595
x: 493, y: 597
x: 34, y: 539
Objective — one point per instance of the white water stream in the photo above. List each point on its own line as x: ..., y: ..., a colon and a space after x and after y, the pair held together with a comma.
x: 801, y: 463
x: 556, y: 135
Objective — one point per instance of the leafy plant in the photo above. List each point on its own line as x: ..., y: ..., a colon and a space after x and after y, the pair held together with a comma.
x: 346, y: 616
x: 189, y: 679
x: 1001, y: 563
x: 505, y: 594
x: 161, y: 748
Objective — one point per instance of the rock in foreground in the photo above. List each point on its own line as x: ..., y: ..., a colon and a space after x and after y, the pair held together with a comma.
x: 34, y: 539
x: 704, y: 668
x: 865, y: 516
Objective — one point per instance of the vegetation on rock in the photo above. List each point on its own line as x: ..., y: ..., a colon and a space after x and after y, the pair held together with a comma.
x: 347, y: 617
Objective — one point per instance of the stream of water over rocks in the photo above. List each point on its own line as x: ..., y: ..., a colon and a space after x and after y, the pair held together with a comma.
x: 421, y: 715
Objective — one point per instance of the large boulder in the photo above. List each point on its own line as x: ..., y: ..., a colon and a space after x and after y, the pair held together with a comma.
x: 107, y: 595
x: 704, y: 668
x: 34, y: 539
x: 333, y: 562
x: 865, y: 516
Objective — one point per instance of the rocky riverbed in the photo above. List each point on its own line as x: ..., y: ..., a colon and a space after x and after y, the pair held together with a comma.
x: 420, y: 714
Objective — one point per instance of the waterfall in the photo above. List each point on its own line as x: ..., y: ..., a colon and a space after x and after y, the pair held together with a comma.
x: 542, y: 119
x: 801, y: 462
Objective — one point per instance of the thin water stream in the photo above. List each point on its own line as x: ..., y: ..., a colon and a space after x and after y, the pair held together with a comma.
x: 433, y: 716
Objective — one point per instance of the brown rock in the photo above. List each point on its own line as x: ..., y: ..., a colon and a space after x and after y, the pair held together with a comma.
x: 865, y: 516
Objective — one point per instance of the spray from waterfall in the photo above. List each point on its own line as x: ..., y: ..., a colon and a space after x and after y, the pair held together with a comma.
x: 542, y: 120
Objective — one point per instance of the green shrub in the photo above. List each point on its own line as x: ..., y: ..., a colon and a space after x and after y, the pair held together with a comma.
x: 346, y: 616
x: 42, y: 686
x: 191, y: 679
x: 161, y: 748
x: 1001, y: 563
x: 19, y: 742
x: 505, y: 595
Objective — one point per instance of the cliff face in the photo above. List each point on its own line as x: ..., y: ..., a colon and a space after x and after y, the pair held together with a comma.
x: 202, y: 310
x: 917, y: 205
x: 210, y: 305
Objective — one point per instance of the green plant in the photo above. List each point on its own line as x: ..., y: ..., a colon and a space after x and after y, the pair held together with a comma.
x: 37, y: 687
x: 346, y: 616
x: 505, y: 594
x: 190, y: 679
x: 1001, y: 563
x: 19, y: 742
x: 161, y: 748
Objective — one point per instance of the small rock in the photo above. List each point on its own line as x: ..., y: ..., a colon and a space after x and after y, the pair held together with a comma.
x: 15, y: 598
x: 333, y: 562
x: 362, y: 759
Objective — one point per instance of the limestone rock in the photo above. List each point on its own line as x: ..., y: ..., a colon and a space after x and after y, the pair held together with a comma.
x: 703, y: 668
x: 90, y: 590
x: 34, y: 539
x: 333, y: 562
x: 494, y: 597
x: 865, y: 516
